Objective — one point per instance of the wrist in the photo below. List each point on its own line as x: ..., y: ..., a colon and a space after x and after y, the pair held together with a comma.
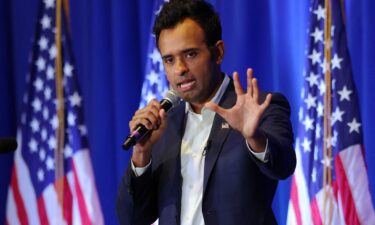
x: 258, y: 141
x: 140, y: 158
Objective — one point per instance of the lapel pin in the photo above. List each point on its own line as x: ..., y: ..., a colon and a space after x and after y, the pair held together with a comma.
x: 224, y: 125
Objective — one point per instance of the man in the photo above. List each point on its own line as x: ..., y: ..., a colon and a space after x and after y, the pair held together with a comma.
x: 216, y: 158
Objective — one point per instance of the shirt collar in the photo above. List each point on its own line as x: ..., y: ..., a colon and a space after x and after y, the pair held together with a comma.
x: 216, y: 99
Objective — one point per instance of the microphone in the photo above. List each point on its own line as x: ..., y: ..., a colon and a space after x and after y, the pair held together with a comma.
x: 7, y: 145
x: 170, y: 100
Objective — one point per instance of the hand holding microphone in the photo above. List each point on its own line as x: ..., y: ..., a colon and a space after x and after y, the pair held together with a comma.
x: 150, y: 118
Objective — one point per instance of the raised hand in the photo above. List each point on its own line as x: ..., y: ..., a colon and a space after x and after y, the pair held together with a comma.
x: 245, y: 115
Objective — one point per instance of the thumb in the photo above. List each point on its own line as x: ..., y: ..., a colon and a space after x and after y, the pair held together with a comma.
x: 216, y: 108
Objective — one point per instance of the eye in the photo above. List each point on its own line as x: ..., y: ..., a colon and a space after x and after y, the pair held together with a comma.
x: 191, y: 54
x: 168, y: 60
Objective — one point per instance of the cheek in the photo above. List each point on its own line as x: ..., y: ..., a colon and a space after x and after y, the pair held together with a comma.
x: 170, y: 78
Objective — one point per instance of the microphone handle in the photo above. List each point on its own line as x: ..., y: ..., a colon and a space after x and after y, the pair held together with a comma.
x: 140, y: 131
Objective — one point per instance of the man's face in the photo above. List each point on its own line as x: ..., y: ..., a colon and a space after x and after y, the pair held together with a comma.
x: 191, y: 70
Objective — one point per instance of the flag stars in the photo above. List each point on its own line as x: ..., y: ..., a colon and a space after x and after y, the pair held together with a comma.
x: 83, y: 130
x: 46, y: 22
x: 318, y: 131
x: 322, y: 87
x: 344, y: 94
x: 354, y: 126
x: 312, y: 79
x: 38, y: 84
x: 336, y: 62
x: 149, y: 96
x: 33, y: 145
x: 37, y: 105
x: 43, y: 43
x: 313, y: 175
x: 34, y: 125
x: 52, y: 52
x: 332, y: 141
x: 49, y: 3
x: 42, y: 154
x: 316, y: 152
x: 50, y: 73
x: 306, y: 145
x: 315, y: 57
x: 68, y: 69
x: 40, y: 64
x: 47, y: 93
x: 153, y: 77
x: 310, y: 101
x: 75, y: 99
x: 320, y: 13
x: 40, y: 175
x: 337, y: 115
x: 320, y: 109
x: 308, y: 122
x: 317, y: 35
x: 68, y: 151
x: 45, y: 113
x: 71, y: 119
x: 155, y: 56
x: 44, y: 134
x: 54, y: 122
x: 52, y: 143
x: 50, y: 164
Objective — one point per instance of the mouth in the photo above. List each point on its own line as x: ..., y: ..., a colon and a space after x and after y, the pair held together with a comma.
x: 186, y: 85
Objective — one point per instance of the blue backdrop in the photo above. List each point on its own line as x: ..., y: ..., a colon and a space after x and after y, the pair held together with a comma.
x: 110, y: 42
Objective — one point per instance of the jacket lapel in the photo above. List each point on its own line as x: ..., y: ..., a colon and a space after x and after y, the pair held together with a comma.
x: 177, y: 125
x: 219, y: 132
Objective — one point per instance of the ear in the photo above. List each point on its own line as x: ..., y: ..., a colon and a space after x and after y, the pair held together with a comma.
x: 219, y: 52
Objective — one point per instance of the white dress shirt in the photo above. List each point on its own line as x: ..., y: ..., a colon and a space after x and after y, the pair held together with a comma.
x: 194, y: 141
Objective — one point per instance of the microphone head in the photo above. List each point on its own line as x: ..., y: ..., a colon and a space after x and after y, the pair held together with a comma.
x: 172, y: 97
x: 8, y: 145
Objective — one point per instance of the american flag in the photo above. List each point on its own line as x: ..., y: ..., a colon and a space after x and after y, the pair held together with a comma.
x: 330, y: 184
x: 155, y: 83
x: 37, y: 194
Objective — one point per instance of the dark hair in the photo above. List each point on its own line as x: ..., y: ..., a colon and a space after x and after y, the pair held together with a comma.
x: 203, y: 13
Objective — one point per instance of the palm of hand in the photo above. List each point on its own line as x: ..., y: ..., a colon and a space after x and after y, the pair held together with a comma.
x: 245, y: 115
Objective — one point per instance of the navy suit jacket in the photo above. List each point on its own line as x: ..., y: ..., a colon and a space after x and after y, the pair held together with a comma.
x: 238, y: 188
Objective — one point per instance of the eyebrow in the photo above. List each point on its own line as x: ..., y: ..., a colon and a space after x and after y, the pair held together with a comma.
x: 183, y: 51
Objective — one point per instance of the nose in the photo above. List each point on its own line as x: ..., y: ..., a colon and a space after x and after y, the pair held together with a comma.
x: 180, y: 67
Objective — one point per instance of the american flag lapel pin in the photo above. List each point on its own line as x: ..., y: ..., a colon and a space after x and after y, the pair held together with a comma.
x: 224, y: 125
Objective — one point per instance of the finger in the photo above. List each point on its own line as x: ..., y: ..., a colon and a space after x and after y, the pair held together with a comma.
x: 267, y: 101
x: 153, y: 105
x: 255, y: 90
x: 151, y: 115
x: 216, y: 108
x: 249, y: 73
x: 237, y: 84
x: 145, y: 122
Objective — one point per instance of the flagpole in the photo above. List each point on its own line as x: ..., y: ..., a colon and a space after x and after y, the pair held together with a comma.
x: 60, y: 134
x: 327, y: 115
